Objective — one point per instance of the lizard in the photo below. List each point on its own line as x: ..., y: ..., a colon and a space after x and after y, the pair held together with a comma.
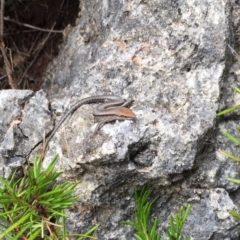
x: 112, y: 107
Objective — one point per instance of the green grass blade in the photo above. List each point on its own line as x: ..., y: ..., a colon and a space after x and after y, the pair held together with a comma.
x: 90, y: 232
x: 234, y: 214
x: 35, y: 234
x: 186, y: 212
x: 235, y: 158
x: 236, y: 89
x: 14, y: 225
x: 138, y: 237
x: 228, y: 110
x: 234, y: 180
x: 231, y: 137
x: 23, y: 229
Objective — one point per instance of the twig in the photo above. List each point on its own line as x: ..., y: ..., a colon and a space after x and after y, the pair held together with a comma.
x: 1, y: 20
x: 7, y: 64
x: 42, y: 44
x: 2, y: 77
x: 234, y: 53
x: 31, y: 26
x: 36, y: 55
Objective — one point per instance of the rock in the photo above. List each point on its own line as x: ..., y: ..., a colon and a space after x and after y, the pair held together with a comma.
x: 172, y: 59
x: 25, y: 118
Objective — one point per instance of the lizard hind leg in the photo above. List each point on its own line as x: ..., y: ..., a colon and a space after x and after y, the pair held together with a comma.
x: 106, y: 120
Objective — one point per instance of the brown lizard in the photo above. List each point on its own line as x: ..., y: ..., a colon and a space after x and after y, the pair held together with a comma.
x: 113, y: 107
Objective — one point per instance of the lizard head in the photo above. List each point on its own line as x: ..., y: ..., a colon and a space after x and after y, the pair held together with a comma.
x: 125, y: 112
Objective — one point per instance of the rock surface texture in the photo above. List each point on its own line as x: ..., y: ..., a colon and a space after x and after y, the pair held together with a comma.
x: 172, y: 59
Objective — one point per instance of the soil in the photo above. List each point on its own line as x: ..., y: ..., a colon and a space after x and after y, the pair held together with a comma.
x: 28, y: 49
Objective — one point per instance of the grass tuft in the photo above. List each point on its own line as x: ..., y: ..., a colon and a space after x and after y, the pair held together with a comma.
x: 231, y: 137
x: 34, y: 205
x: 147, y: 229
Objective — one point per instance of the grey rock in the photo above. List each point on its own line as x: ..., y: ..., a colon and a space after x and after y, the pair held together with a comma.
x: 172, y: 59
x: 25, y: 118
x: 11, y: 104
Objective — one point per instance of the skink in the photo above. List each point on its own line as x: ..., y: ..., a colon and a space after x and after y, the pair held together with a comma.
x: 114, y: 107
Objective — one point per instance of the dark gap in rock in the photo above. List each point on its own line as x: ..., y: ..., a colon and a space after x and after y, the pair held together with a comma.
x: 28, y: 49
